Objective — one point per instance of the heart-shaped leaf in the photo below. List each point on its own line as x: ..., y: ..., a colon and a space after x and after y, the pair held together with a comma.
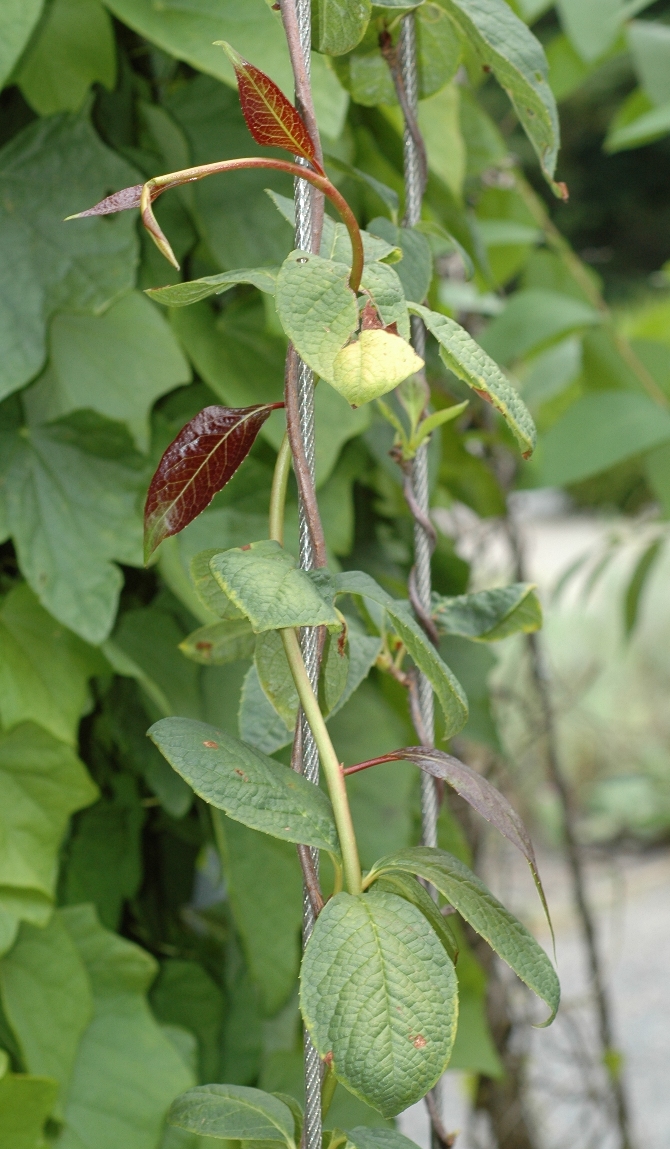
x: 246, y: 785
x: 470, y: 897
x: 197, y: 464
x: 271, y: 117
x: 378, y: 993
x: 233, y: 1112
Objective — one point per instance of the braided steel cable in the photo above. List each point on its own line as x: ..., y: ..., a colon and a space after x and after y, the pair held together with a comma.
x: 416, y: 484
x: 309, y: 637
x: 417, y: 489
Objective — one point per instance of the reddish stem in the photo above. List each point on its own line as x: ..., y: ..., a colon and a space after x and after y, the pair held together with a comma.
x: 159, y: 184
x: 371, y: 762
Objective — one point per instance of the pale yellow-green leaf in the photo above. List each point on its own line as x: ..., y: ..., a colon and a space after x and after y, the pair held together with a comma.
x: 376, y: 363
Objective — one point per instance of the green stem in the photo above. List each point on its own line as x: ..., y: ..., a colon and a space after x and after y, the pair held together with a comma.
x: 278, y: 493
x: 329, y: 760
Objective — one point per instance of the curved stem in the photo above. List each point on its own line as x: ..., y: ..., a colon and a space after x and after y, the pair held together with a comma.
x: 278, y: 492
x: 329, y: 760
x: 156, y: 186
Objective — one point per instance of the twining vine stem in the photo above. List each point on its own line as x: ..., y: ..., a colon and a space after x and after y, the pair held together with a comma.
x: 159, y: 184
x: 331, y: 765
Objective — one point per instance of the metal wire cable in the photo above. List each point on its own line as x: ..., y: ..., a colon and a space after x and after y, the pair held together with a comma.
x: 309, y: 637
x: 423, y: 541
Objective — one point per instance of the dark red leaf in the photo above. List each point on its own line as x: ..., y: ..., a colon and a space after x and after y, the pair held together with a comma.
x: 477, y: 791
x: 197, y: 464
x: 271, y: 117
x: 119, y: 201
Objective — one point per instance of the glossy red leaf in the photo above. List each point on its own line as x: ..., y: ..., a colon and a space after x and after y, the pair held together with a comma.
x: 477, y: 792
x: 271, y: 117
x: 197, y: 464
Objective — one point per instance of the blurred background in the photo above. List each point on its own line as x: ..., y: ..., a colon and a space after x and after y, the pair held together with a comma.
x: 573, y: 300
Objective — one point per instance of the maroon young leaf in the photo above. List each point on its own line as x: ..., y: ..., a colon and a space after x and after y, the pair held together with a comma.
x: 271, y: 117
x: 197, y: 464
x: 119, y: 201
x: 477, y: 792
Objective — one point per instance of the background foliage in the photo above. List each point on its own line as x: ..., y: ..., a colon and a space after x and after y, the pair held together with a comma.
x: 133, y: 966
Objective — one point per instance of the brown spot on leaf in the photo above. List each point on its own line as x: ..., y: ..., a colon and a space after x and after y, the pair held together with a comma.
x: 370, y: 320
x: 419, y: 1042
x: 241, y: 774
x: 211, y: 745
x: 246, y: 547
x: 204, y: 645
x: 328, y: 1059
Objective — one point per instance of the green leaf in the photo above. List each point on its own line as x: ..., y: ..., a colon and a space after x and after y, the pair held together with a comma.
x: 188, y: 31
x: 373, y: 365
x: 335, y: 241
x: 42, y: 782
x: 415, y: 269
x: 637, y: 584
x: 17, y: 20
x: 264, y: 883
x: 117, y: 364
x: 233, y: 1112
x: 264, y: 582
x: 489, y: 615
x: 592, y: 28
x: 71, y: 491
x: 44, y: 668
x: 533, y: 320
x: 185, y: 995
x: 407, y: 887
x: 636, y: 123
x: 385, y: 193
x: 183, y: 294
x: 470, y: 897
x: 317, y: 308
x: 448, y: 690
x: 470, y: 363
x: 47, y: 1000
x: 649, y: 42
x: 366, y: 75
x: 383, y: 285
x: 275, y: 676
x: 74, y: 48
x: 259, y: 723
x: 504, y: 44
x: 378, y: 992
x: 103, y: 862
x: 220, y: 643
x: 362, y: 1137
x: 208, y: 589
x: 150, y: 637
x: 53, y: 168
x: 339, y: 25
x: 598, y: 431
x: 246, y: 785
x: 25, y: 1104
x: 127, y: 1071
x: 439, y: 123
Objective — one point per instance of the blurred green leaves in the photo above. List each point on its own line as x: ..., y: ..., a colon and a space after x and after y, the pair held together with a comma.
x: 53, y: 168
